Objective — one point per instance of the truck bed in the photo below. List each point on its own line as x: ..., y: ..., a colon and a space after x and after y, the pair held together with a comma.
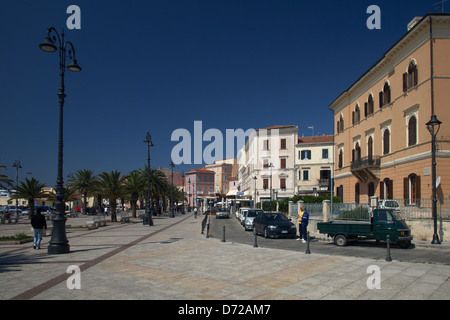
x: 349, y: 228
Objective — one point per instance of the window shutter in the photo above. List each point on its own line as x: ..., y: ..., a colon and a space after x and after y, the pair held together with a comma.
x: 381, y: 99
x: 416, y: 76
x: 405, y: 82
x: 418, y: 195
x: 365, y: 109
x: 390, y: 185
x: 381, y: 190
x: 405, y: 190
x: 388, y: 98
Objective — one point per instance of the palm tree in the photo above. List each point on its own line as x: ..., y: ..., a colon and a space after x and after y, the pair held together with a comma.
x: 134, y: 185
x: 84, y: 182
x: 5, y: 182
x: 158, y: 184
x: 69, y: 194
x: 111, y: 185
x: 30, y: 190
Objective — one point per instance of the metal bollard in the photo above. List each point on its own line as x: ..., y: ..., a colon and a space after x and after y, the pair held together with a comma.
x: 223, y: 239
x: 255, y: 245
x: 207, y: 229
x: 388, y: 257
x: 307, y: 244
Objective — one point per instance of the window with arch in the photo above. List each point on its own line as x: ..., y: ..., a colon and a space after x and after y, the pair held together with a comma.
x: 410, y: 78
x: 368, y: 106
x: 371, y: 189
x: 385, y: 95
x: 340, y: 159
x: 412, y: 131
x: 356, y: 153
x: 386, y: 189
x: 386, y: 142
x: 411, y: 188
x: 356, y: 114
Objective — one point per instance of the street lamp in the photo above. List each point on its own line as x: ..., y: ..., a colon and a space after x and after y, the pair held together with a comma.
x: 17, y: 165
x: 254, y: 199
x: 433, y: 127
x: 59, y: 243
x: 172, y: 215
x: 148, y: 215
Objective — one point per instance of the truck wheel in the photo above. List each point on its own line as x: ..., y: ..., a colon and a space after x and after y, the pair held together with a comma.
x: 340, y: 240
x: 404, y: 244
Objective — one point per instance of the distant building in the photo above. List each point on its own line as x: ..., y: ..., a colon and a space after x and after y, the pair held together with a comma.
x: 199, y: 186
x: 314, y: 164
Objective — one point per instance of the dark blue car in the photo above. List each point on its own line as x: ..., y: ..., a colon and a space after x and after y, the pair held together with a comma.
x: 274, y: 225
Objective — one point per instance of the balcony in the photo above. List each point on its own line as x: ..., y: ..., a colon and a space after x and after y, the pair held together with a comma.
x: 367, y: 168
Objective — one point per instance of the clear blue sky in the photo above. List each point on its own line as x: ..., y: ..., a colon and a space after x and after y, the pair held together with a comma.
x: 161, y: 65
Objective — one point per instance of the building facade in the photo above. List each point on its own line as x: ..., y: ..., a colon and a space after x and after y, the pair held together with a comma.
x: 314, y: 164
x: 382, y: 144
x: 199, y: 186
x: 267, y: 164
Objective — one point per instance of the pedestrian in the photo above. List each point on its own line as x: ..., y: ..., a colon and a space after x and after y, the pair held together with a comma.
x: 304, y: 224
x: 195, y: 212
x: 39, y: 224
x: 299, y: 221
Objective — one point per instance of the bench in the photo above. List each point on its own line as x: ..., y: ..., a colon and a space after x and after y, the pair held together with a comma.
x: 124, y: 218
x: 100, y: 222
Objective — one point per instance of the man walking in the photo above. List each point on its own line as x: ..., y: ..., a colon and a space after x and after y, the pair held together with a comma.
x: 38, y: 223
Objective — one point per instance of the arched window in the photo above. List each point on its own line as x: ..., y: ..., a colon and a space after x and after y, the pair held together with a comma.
x: 411, y: 188
x: 357, y: 114
x: 412, y: 131
x: 385, y: 95
x: 370, y: 104
x: 371, y: 189
x: 386, y: 187
x: 410, y: 78
x: 341, y: 124
x: 386, y: 142
x: 341, y: 158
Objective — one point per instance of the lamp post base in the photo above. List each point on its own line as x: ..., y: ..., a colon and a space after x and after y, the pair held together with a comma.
x: 435, y: 239
x: 59, y: 243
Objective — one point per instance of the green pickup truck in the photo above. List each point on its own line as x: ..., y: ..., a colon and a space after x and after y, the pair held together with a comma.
x: 380, y: 223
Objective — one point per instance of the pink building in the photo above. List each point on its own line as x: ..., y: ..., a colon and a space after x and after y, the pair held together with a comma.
x: 199, y: 187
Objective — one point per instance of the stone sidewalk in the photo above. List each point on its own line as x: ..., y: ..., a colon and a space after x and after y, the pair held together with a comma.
x: 172, y: 260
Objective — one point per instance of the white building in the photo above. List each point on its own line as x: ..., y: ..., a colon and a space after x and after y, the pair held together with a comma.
x: 267, y: 163
x: 314, y: 164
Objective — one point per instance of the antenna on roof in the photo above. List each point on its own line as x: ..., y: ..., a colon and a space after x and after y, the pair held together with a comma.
x: 440, y: 3
x: 312, y: 127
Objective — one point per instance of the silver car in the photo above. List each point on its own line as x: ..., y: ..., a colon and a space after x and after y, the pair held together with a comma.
x: 222, y: 213
x: 249, y: 216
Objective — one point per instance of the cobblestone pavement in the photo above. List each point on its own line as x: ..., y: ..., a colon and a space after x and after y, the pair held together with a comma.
x: 172, y: 260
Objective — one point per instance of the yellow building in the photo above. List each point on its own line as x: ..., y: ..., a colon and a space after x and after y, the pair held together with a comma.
x: 382, y: 144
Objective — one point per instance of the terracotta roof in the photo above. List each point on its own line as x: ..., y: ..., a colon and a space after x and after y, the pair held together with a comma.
x: 277, y: 127
x: 200, y: 170
x: 315, y: 139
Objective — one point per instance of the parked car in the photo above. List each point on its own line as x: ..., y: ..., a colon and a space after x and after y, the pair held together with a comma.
x: 250, y: 215
x: 274, y: 225
x: 389, y: 204
x: 222, y: 213
x: 242, y: 213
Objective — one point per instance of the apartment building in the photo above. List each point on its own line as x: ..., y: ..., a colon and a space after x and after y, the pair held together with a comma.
x: 382, y: 143
x: 224, y: 170
x: 314, y: 164
x: 199, y: 186
x: 266, y: 163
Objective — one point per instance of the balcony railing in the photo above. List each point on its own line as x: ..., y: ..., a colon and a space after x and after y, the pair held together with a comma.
x: 366, y: 163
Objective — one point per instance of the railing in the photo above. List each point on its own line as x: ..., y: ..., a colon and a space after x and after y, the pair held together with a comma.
x: 366, y: 162
x: 408, y: 209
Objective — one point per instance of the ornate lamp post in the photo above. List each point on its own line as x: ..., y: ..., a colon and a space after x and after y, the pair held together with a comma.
x: 433, y: 127
x: 59, y: 243
x: 148, y: 215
